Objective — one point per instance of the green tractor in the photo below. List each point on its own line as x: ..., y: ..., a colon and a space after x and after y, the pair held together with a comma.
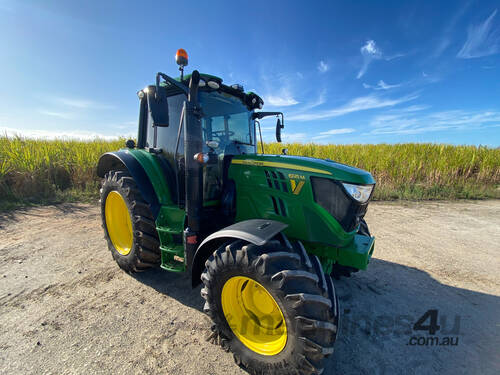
x: 263, y: 233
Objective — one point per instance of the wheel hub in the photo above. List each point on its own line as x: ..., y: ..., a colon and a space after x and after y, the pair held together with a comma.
x: 118, y: 222
x: 254, y: 315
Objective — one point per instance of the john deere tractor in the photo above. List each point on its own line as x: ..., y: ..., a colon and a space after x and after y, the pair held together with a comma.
x: 263, y: 233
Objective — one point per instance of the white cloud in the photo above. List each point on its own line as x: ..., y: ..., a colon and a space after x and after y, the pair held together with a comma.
x: 331, y: 132
x: 370, y: 48
x: 63, y: 134
x: 320, y: 100
x: 81, y: 103
x: 62, y: 115
x: 323, y: 67
x: 67, y: 108
x: 412, y: 123
x: 279, y: 101
x: 393, y: 57
x: 295, y: 137
x: 444, y: 41
x: 412, y: 108
x: 482, y: 40
x: 338, y: 131
x: 265, y: 129
x: 285, y: 137
x: 370, y: 52
x: 441, y: 47
x: 306, y: 107
x: 358, y: 104
x: 384, y: 86
x: 282, y: 99
x: 381, y: 85
x: 430, y: 78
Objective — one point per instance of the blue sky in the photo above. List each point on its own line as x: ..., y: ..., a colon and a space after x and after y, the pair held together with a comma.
x: 343, y: 72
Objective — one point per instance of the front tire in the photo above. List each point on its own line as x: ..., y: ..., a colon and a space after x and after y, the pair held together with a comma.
x: 272, y: 306
x: 128, y: 224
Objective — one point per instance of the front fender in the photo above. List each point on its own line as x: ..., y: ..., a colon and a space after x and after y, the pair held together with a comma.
x: 256, y: 231
x: 123, y: 160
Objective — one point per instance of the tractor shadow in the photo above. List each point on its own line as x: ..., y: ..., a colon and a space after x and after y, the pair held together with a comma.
x: 378, y: 310
x: 172, y: 284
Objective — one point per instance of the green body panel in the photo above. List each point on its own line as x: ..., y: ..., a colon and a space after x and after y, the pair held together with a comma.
x: 170, y: 220
x: 357, y: 254
x: 153, y: 169
x: 290, y: 200
x: 325, y: 168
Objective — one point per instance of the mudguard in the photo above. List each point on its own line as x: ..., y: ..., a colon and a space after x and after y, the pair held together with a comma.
x: 256, y: 231
x: 123, y: 160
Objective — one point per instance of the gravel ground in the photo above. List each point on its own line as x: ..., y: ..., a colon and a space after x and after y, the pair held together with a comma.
x: 66, y: 308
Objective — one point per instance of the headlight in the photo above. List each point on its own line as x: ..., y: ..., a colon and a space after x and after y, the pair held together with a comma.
x: 347, y: 203
x: 359, y: 192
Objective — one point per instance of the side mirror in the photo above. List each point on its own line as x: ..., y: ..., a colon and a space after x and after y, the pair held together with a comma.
x: 279, y: 126
x: 158, y: 105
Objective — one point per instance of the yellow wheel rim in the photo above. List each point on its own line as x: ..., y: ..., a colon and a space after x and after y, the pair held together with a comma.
x: 253, y: 315
x: 118, y: 223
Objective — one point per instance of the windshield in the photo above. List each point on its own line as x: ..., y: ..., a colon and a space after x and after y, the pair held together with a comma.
x: 226, y: 119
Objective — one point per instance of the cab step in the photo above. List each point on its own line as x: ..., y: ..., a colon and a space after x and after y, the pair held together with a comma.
x: 172, y: 258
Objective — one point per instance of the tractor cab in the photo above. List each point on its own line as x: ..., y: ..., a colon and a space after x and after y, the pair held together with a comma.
x: 224, y: 114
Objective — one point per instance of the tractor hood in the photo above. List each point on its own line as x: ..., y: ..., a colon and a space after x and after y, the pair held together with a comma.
x: 297, y: 164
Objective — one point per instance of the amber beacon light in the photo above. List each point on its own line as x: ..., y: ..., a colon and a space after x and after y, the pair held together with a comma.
x: 181, y: 57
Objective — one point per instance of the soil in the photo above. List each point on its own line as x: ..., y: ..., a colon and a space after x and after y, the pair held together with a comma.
x: 66, y: 308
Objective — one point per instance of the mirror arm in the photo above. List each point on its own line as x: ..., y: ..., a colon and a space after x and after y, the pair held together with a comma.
x: 171, y: 81
x: 261, y: 115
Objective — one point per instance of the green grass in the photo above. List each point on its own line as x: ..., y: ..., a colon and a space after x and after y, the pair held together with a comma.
x: 41, y: 172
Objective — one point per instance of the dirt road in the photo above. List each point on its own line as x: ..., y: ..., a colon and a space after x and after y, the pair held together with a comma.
x: 66, y: 308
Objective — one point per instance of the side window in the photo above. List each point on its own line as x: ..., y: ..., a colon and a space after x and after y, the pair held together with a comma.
x: 167, y: 137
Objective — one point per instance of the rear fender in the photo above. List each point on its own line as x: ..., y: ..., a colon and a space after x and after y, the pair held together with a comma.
x: 123, y: 160
x: 256, y: 231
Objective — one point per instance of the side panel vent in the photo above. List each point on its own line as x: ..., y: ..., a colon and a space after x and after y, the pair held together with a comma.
x: 279, y: 206
x: 276, y: 180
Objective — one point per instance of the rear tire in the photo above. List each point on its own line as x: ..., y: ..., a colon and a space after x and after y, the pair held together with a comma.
x: 137, y: 248
x: 304, y: 295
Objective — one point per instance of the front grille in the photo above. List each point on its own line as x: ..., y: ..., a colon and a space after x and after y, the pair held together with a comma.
x: 331, y: 195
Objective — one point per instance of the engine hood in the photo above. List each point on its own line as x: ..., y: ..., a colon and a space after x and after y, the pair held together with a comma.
x: 299, y: 164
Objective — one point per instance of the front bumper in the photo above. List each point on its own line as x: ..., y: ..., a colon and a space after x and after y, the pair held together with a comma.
x: 358, y: 253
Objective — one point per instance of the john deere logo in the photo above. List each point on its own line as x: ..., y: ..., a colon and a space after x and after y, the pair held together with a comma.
x: 297, y: 182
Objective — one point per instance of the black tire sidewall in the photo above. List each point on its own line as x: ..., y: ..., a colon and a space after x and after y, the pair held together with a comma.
x: 234, y: 343
x: 124, y: 261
